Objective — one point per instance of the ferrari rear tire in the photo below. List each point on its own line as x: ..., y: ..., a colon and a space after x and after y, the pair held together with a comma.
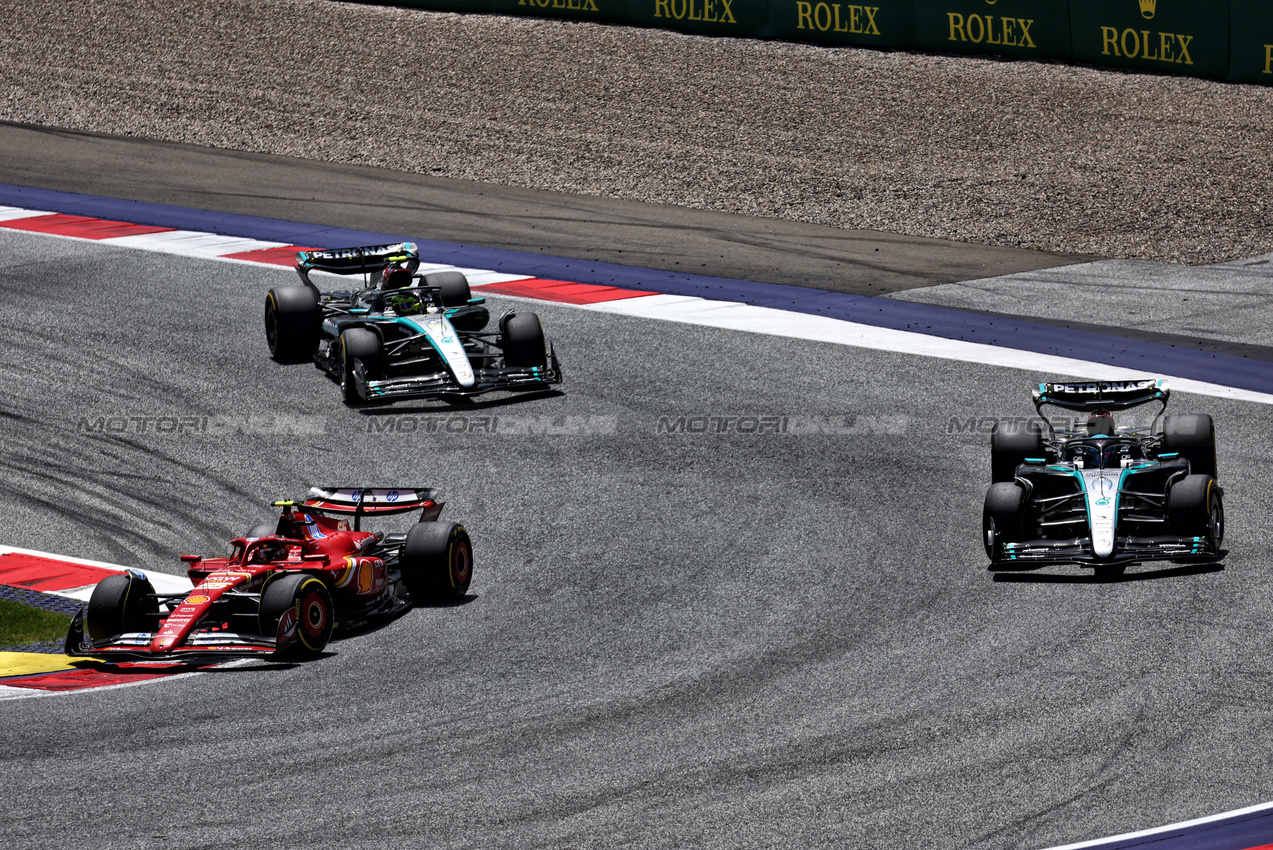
x: 1193, y: 435
x: 522, y: 338
x: 296, y: 610
x: 119, y: 604
x: 362, y: 345
x: 1010, y: 444
x: 1195, y: 508
x: 437, y: 562
x: 454, y: 286
x: 1003, y: 517
x: 292, y: 322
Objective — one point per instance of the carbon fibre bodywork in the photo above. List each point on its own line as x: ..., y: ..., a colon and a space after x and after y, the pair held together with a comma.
x: 1100, y: 495
x: 426, y: 338
x: 277, y: 595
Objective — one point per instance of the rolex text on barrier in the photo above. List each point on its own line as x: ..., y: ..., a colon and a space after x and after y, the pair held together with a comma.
x: 739, y: 18
x: 1169, y: 36
x: 588, y: 10
x: 874, y: 23
x: 1251, y: 41
x: 446, y: 5
x: 1219, y: 39
x: 1032, y: 29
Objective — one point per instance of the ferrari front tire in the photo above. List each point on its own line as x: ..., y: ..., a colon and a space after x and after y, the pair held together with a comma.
x: 121, y: 604
x: 437, y: 562
x: 296, y: 610
x: 292, y: 322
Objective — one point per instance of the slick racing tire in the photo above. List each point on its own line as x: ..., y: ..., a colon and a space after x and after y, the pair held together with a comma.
x: 1195, y: 508
x: 292, y: 322
x: 454, y: 286
x: 1193, y: 435
x: 363, y: 345
x: 296, y: 609
x: 522, y: 338
x: 119, y: 604
x: 1010, y: 444
x: 1003, y: 518
x: 437, y: 562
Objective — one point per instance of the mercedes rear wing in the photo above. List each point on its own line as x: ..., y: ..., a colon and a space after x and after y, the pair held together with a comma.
x: 365, y: 260
x: 1091, y: 396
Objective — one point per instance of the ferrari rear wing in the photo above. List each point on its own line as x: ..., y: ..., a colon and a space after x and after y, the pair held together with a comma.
x: 360, y: 502
x: 371, y: 258
x: 1091, y: 396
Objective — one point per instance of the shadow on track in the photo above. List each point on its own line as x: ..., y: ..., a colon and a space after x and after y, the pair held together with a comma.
x: 453, y: 404
x: 1110, y: 578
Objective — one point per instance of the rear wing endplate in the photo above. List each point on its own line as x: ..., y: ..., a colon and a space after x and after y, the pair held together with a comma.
x: 364, y: 260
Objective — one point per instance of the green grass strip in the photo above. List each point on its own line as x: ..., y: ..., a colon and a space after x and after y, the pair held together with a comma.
x: 21, y: 624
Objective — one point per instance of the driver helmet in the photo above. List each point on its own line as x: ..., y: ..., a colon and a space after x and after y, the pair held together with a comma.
x: 269, y: 552
x: 1100, y: 424
x: 395, y: 277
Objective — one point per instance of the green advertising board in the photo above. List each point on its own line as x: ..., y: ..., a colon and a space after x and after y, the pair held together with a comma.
x: 739, y: 18
x: 1251, y: 41
x: 875, y: 23
x: 1036, y: 29
x: 438, y: 5
x: 586, y: 10
x: 1170, y: 36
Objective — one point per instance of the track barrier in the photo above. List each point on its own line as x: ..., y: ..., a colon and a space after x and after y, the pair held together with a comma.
x: 1215, y: 39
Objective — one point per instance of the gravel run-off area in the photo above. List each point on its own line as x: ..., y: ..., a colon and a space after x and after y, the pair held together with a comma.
x: 1057, y: 157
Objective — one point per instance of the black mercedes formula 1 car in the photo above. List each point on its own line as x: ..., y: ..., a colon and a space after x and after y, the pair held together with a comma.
x: 404, y: 335
x: 1101, y: 493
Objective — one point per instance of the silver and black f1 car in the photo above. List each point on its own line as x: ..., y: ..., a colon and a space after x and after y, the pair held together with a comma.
x: 1097, y: 493
x: 405, y: 335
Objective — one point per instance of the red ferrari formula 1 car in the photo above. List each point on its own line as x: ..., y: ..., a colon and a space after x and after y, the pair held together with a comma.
x: 284, y: 586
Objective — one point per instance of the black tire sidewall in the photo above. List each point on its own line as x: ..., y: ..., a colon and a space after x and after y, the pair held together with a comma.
x: 292, y: 319
x: 431, y: 561
x: 280, y: 595
x: 522, y: 338
x: 117, y: 605
x: 363, y: 345
x: 1010, y: 444
x: 1190, y: 504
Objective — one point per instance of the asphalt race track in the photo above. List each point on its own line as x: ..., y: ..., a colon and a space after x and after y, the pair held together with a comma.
x: 783, y: 638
